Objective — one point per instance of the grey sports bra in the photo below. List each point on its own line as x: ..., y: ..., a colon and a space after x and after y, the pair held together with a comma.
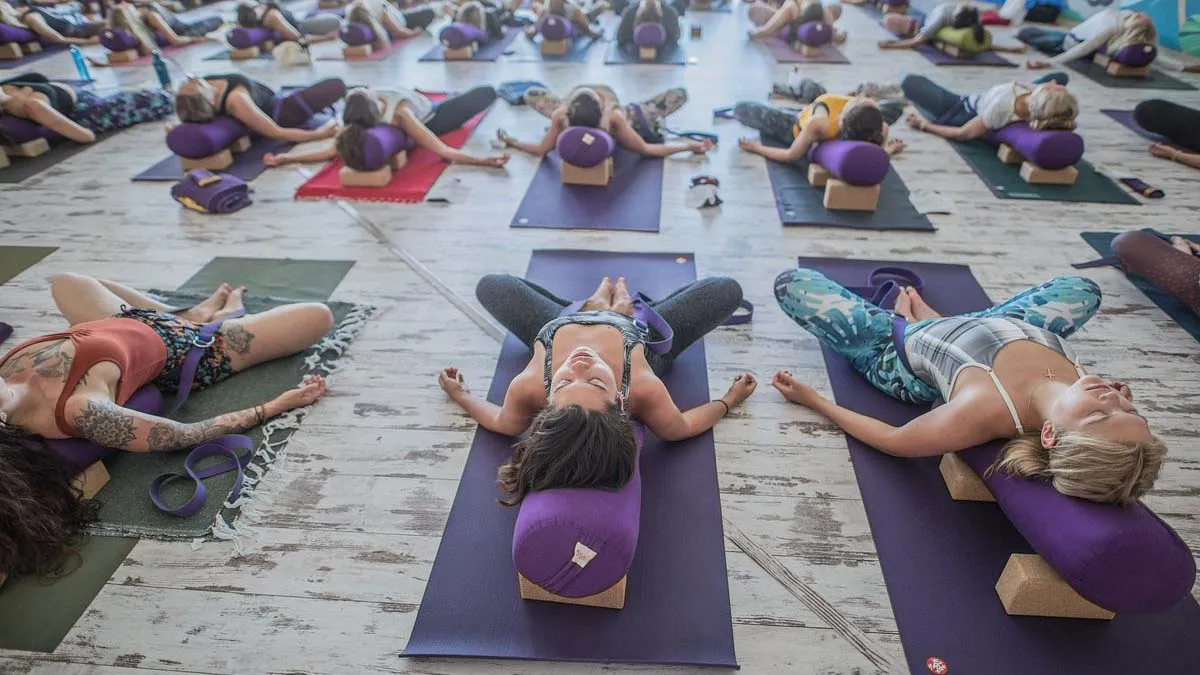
x: 632, y: 333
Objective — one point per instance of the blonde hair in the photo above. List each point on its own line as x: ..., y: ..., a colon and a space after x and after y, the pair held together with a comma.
x: 473, y: 14
x: 1088, y: 467
x: 1052, y: 109
x: 648, y: 11
x: 1135, y: 29
x: 10, y: 16
x: 127, y: 18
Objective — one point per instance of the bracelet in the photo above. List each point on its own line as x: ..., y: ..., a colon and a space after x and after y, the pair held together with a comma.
x: 258, y: 412
x: 722, y: 402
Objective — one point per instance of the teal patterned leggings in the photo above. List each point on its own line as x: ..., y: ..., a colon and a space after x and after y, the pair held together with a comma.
x: 862, y: 332
x: 121, y: 110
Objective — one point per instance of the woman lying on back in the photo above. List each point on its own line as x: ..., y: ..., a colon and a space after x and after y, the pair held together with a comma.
x: 322, y: 27
x: 39, y: 21
x: 581, y: 20
x: 77, y: 114
x: 952, y: 15
x: 254, y: 104
x: 1046, y: 106
x: 793, y: 12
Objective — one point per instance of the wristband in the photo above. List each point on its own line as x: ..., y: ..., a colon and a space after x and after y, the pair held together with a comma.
x: 722, y: 402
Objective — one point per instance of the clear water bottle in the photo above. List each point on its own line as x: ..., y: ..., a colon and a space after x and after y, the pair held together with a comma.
x: 160, y: 69
x: 80, y: 64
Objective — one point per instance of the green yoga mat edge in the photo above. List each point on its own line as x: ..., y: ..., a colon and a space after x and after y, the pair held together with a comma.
x: 14, y: 260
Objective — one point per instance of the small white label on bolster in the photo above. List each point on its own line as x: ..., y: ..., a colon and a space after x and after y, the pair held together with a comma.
x: 583, y: 555
x: 588, y: 139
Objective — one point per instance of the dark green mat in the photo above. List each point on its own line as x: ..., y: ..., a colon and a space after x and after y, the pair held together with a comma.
x: 1102, y: 242
x: 1096, y: 73
x: 1004, y: 180
x: 17, y: 259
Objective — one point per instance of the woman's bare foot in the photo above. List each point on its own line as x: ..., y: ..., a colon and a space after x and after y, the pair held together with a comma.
x: 910, y: 305
x: 622, y: 300
x: 203, y: 312
x: 233, y: 304
x: 601, y: 299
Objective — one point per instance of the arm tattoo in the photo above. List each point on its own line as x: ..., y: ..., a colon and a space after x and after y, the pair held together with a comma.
x: 237, y: 337
x: 176, y: 435
x: 50, y: 361
x: 105, y: 423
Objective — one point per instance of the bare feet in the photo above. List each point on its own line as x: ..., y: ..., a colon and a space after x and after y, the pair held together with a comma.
x: 601, y: 299
x: 910, y: 305
x: 622, y: 301
x: 204, y: 311
x: 233, y: 304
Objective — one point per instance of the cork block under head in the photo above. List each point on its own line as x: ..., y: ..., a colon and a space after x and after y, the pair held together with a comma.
x: 463, y: 54
x: 648, y: 53
x: 1118, y: 69
x: 10, y: 51
x: 806, y: 51
x: 818, y: 175
x: 1028, y: 586
x: 216, y: 162
x: 961, y: 480
x: 33, y: 47
x: 841, y: 196
x: 1038, y: 176
x: 596, y: 176
x: 91, y: 480
x: 555, y: 47
x: 378, y: 178
x: 124, y: 56
x: 3, y: 159
x: 612, y: 597
x: 38, y: 146
x: 246, y: 53
x: 242, y: 144
x: 1009, y: 155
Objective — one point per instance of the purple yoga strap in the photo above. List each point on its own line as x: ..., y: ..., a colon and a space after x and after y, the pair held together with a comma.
x: 187, y: 369
x: 645, y: 315
x: 883, y: 287
x: 227, y: 446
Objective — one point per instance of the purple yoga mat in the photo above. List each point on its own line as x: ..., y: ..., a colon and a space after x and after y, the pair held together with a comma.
x: 940, y: 58
x: 631, y: 201
x: 941, y: 558
x: 47, y: 50
x: 783, y: 53
x: 1125, y: 119
x: 5, y: 331
x: 487, y: 52
x: 677, y: 598
x: 669, y: 55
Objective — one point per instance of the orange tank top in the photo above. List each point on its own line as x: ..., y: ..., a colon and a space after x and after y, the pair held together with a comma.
x: 132, y: 345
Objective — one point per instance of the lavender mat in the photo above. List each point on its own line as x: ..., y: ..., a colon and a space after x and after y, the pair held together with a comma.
x: 1125, y: 119
x: 488, y: 52
x: 940, y: 58
x: 677, y: 599
x: 941, y: 558
x: 631, y: 201
x: 783, y: 53
x: 667, y: 56
x: 47, y: 50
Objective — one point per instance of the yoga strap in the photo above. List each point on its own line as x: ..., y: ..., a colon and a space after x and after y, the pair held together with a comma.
x: 1114, y: 261
x: 227, y: 446
x: 883, y: 287
x: 191, y: 362
x: 645, y: 315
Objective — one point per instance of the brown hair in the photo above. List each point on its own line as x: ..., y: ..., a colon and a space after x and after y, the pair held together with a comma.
x: 862, y: 122
x: 43, y: 513
x: 584, y: 108
x: 1088, y: 467
x: 360, y: 114
x: 966, y: 16
x: 571, y: 447
x: 194, y: 107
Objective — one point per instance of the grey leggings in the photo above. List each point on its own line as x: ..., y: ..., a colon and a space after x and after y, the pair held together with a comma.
x: 320, y: 24
x: 524, y: 307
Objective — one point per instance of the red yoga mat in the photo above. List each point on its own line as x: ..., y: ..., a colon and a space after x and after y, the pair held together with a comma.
x: 409, y: 185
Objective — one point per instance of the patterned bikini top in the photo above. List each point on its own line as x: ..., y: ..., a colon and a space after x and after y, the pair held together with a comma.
x: 632, y: 333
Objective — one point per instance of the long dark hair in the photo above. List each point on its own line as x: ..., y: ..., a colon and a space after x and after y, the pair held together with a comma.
x: 585, y: 109
x: 361, y: 112
x: 967, y: 16
x: 571, y: 447
x: 863, y: 123
x: 41, y: 513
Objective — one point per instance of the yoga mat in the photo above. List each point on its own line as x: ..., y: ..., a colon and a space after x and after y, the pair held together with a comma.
x: 488, y: 52
x: 784, y: 53
x: 631, y: 201
x: 145, y: 60
x: 126, y: 509
x: 5, y: 332
x: 409, y: 185
x: 24, y: 168
x: 1005, y: 182
x: 47, y: 50
x: 35, y: 616
x: 668, y: 56
x: 941, y: 558
x: 1125, y: 119
x: 939, y: 58
x: 531, y: 51
x: 677, y: 599
x: 17, y: 259
x: 1102, y: 242
x: 799, y: 203
x: 375, y: 55
x: 246, y: 165
x: 1156, y: 79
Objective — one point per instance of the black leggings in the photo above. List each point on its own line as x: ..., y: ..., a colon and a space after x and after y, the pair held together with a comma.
x: 454, y: 112
x: 420, y: 17
x: 316, y: 98
x: 1181, y: 125
x: 524, y: 307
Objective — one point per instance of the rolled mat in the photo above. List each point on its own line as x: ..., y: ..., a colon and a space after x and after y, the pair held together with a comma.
x: 784, y: 53
x: 47, y: 50
x: 799, y: 203
x: 940, y: 58
x: 577, y: 51
x: 489, y: 51
x: 1102, y: 242
x: 941, y: 558
x: 668, y: 55
x: 677, y: 596
x: 1125, y: 119
x: 632, y: 200
x: 1005, y: 182
x: 1155, y: 79
x: 376, y: 55
x: 409, y: 185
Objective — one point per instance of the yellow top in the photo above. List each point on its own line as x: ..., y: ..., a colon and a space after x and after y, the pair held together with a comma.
x: 834, y: 103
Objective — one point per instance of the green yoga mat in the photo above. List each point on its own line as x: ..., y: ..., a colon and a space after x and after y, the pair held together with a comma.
x: 17, y: 259
x: 1156, y: 79
x: 1004, y: 180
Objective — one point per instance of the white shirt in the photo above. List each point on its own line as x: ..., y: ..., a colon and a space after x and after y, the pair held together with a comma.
x: 1094, y: 34
x: 420, y: 104
x: 996, y: 106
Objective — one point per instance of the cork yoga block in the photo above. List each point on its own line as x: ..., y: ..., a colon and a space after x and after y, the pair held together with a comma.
x: 611, y: 598
x: 1028, y: 586
x: 597, y: 176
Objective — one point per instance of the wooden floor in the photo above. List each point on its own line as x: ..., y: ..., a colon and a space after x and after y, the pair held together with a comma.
x: 334, y: 579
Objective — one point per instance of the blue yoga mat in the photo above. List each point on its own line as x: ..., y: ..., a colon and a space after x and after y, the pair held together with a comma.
x: 672, y: 55
x: 530, y: 51
x: 631, y: 201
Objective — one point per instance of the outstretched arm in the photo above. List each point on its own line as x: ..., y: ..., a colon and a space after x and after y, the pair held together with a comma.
x: 796, y: 151
x: 301, y: 156
x: 41, y: 112
x: 259, y: 122
x: 663, y: 417
x: 631, y: 140
x: 973, y: 129
x: 425, y: 138
x: 510, y: 419
x: 539, y: 149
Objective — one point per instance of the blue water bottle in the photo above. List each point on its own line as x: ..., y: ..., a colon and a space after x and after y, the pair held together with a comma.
x: 160, y: 68
x: 80, y: 64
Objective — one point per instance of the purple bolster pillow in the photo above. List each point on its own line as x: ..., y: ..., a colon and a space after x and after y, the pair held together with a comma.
x: 461, y: 35
x: 194, y: 140
x: 814, y: 34
x: 1136, y: 56
x: 245, y: 38
x: 381, y: 143
x: 1050, y: 149
x: 650, y: 35
x: 161, y: 40
x: 1126, y: 560
x: 585, y: 146
x: 357, y: 34
x: 855, y: 162
x: 553, y: 524
x: 13, y: 34
x: 117, y: 40
x: 80, y: 453
x: 556, y: 28
x: 21, y: 130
